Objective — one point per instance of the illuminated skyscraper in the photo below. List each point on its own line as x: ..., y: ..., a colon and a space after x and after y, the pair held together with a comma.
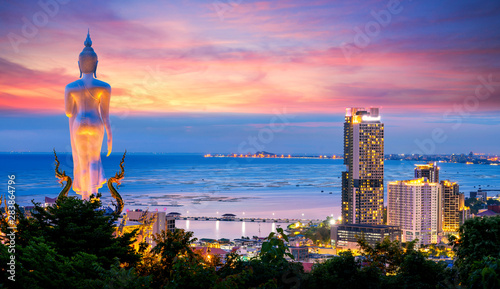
x: 415, y: 206
x: 429, y: 171
x: 363, y: 182
x: 454, y: 210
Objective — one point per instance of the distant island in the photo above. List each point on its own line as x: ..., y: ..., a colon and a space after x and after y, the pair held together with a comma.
x: 471, y: 158
x: 268, y: 155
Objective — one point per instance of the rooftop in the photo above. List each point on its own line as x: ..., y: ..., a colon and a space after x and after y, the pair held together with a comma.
x: 368, y: 226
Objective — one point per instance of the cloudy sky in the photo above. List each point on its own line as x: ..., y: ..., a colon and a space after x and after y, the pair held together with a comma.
x: 239, y: 75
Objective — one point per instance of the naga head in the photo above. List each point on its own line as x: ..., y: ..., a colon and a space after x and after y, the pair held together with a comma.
x: 87, y: 61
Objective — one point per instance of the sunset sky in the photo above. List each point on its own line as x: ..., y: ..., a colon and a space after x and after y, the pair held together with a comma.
x: 211, y: 76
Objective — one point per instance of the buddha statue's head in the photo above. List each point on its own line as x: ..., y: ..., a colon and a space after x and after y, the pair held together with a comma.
x: 87, y: 61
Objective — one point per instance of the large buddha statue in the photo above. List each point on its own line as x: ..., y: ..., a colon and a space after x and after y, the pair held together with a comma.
x: 87, y: 106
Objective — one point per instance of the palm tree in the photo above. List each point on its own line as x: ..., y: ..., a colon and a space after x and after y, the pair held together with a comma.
x: 170, y: 245
x: 160, y: 261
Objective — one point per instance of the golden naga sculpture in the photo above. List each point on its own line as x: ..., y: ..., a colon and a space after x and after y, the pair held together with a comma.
x: 62, y: 178
x: 114, y: 192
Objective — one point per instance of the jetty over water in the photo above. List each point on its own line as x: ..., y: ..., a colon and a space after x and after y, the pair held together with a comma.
x: 246, y: 219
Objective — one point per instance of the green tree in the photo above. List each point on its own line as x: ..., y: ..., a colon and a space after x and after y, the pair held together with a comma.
x: 231, y: 275
x: 476, y: 204
x: 386, y: 255
x: 70, y: 245
x: 72, y: 226
x: 492, y: 202
x: 191, y: 273
x: 319, y: 233
x: 271, y: 269
x: 171, y: 247
x: 118, y: 278
x: 38, y: 265
x: 417, y: 272
x: 485, y: 274
x: 274, y: 250
x: 479, y: 239
x: 343, y: 272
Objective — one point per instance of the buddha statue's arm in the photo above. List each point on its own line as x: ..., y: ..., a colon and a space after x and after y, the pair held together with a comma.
x: 105, y: 99
x: 69, y: 102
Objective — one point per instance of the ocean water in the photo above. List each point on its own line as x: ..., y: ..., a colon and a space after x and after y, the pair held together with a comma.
x: 196, y: 186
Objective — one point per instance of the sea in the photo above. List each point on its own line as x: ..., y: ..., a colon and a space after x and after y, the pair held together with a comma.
x: 194, y: 185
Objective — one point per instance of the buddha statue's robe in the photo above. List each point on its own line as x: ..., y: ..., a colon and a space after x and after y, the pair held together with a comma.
x: 87, y: 106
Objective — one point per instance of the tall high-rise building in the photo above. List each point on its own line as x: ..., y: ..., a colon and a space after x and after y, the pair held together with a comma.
x: 363, y: 181
x: 429, y: 171
x: 415, y: 206
x: 454, y: 210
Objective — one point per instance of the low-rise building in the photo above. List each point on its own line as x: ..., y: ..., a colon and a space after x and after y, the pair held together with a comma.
x: 346, y: 236
x: 299, y: 253
x: 494, y: 208
x: 143, y: 220
x: 228, y: 217
x: 487, y: 213
x: 480, y: 195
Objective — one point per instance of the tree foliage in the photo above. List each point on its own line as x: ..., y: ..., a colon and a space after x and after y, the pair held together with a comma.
x: 479, y: 239
x: 73, y: 225
x: 171, y: 248
x: 320, y: 233
x: 416, y: 271
x: 386, y: 255
x: 485, y: 273
x: 342, y: 272
x: 71, y: 242
x: 72, y: 245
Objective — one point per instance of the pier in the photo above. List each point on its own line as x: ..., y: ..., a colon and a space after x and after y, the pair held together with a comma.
x: 246, y: 219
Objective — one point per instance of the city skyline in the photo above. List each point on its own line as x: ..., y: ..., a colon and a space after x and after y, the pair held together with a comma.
x: 200, y: 77
x: 198, y: 143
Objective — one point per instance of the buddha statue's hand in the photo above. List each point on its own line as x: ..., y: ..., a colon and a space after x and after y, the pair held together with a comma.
x: 110, y: 146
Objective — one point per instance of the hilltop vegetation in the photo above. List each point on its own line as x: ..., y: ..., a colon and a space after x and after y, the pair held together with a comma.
x: 72, y: 245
